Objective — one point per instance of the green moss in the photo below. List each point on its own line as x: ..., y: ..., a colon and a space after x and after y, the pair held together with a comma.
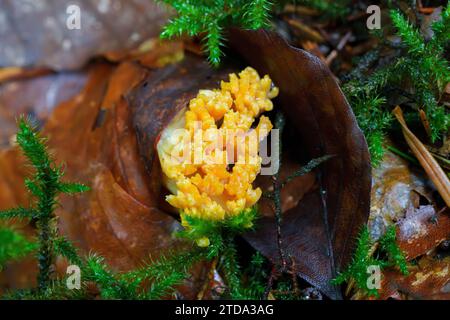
x: 212, y: 17
x: 14, y: 245
x: 419, y: 63
x: 388, y: 255
x: 45, y: 185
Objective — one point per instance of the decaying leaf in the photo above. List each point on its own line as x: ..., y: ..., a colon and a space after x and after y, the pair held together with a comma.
x: 36, y: 97
x: 65, y: 34
x: 396, y: 187
x: 430, y: 279
x: 113, y: 125
x: 320, y: 231
x: 422, y: 230
x: 118, y: 218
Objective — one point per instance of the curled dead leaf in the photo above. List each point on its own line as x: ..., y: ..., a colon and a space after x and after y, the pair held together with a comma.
x: 319, y: 233
x: 113, y: 125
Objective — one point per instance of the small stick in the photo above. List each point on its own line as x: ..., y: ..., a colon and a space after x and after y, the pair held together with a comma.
x: 329, y: 59
x: 294, y: 277
x: 304, y: 31
x: 301, y: 10
x: 279, y: 124
x: 209, y: 278
x: 425, y: 122
x: 272, y: 277
x: 429, y: 164
x: 307, y: 168
x: 422, y: 9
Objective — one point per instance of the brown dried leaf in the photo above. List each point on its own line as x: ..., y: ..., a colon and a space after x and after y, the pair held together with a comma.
x: 118, y: 218
x: 422, y: 230
x: 429, y: 280
x: 93, y: 135
x: 320, y: 231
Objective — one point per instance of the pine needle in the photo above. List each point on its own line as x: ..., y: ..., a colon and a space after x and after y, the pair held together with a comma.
x: 429, y: 164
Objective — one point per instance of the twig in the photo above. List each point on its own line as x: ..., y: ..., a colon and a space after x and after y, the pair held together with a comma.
x: 444, y: 161
x: 272, y: 277
x: 429, y: 164
x: 425, y: 122
x: 403, y: 155
x: 301, y: 10
x: 305, y: 32
x: 209, y: 278
x: 423, y: 9
x: 329, y: 59
x: 307, y: 168
x: 294, y: 277
x: 279, y: 124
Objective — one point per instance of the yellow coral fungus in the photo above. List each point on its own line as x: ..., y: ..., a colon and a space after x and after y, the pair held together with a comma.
x: 209, y: 152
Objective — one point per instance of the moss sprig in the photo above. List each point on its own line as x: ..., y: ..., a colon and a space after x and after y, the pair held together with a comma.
x: 388, y: 255
x: 417, y: 62
x: 428, y: 69
x: 396, y: 257
x: 14, y: 245
x: 330, y: 9
x: 45, y: 185
x: 212, y: 17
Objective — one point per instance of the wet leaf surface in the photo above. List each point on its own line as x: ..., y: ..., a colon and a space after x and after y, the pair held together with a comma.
x: 36, y: 97
x: 396, y: 187
x: 35, y: 33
